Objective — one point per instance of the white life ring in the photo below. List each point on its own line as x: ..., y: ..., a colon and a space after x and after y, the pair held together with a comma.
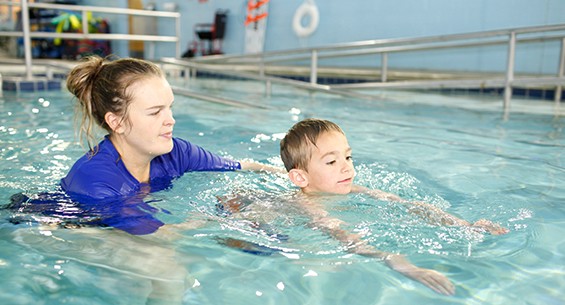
x: 306, y: 8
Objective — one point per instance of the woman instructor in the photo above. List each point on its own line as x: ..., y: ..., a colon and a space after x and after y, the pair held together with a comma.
x: 131, y: 100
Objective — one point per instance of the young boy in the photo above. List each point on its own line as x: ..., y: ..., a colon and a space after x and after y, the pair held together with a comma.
x: 317, y: 156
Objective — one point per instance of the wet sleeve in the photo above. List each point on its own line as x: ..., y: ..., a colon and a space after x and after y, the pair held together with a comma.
x: 192, y: 157
x: 136, y: 225
x: 129, y: 214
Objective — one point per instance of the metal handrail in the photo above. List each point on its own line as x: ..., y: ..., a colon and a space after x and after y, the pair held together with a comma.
x: 386, y: 42
x: 292, y: 56
x: 28, y: 35
x: 385, y: 47
x: 191, y: 66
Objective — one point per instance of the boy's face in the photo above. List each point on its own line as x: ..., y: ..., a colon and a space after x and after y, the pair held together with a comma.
x: 330, y: 169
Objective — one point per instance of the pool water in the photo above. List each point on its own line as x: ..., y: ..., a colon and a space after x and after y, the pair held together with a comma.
x: 453, y: 152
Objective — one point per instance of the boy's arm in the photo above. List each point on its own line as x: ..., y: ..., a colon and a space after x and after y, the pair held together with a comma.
x: 431, y: 213
x: 430, y: 278
x: 174, y: 231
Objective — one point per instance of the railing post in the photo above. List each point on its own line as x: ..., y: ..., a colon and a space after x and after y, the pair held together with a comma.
x: 27, y: 39
x: 268, y: 88
x: 151, y: 52
x: 262, y: 66
x: 314, y: 68
x: 560, y: 73
x: 384, y: 67
x: 177, y: 29
x: 509, y: 72
x: 186, y: 73
x: 49, y: 72
x: 84, y: 22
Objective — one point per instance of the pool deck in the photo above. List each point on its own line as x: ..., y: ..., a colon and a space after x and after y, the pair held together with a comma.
x: 48, y: 74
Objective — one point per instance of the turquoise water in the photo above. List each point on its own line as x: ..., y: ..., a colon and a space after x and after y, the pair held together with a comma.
x: 466, y: 160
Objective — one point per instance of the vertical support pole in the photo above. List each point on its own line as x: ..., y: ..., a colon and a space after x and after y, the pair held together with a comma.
x: 186, y: 73
x: 262, y: 66
x: 177, y: 26
x: 268, y: 88
x: 262, y: 73
x: 27, y: 39
x: 136, y: 47
x: 49, y: 72
x: 509, y: 73
x: 560, y: 74
x: 384, y: 67
x: 314, y: 68
x: 10, y: 13
x: 151, y: 52
x: 84, y: 22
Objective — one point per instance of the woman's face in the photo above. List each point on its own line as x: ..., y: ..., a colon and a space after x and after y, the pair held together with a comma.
x: 148, y: 131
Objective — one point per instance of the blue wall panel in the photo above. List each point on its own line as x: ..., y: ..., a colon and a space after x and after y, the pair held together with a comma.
x: 353, y: 20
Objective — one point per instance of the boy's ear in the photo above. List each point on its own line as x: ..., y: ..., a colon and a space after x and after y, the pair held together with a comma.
x: 298, y: 177
x: 115, y: 122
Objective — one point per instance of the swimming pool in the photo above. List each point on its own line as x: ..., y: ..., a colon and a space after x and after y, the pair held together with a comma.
x: 466, y: 160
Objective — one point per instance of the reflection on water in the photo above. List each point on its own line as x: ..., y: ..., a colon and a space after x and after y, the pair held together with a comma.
x: 468, y: 163
x: 151, y: 266
x: 266, y: 239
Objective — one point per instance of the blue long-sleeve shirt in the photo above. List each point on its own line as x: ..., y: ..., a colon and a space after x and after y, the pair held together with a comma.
x: 103, y: 175
x: 99, y: 190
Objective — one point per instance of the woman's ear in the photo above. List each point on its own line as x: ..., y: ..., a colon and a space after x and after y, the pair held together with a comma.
x: 115, y: 122
x: 298, y: 177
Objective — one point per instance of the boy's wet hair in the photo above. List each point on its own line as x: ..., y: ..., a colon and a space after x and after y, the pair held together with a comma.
x: 296, y: 149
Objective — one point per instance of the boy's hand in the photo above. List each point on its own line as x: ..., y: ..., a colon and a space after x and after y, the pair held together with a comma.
x: 434, y: 280
x: 431, y: 278
x: 490, y: 227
